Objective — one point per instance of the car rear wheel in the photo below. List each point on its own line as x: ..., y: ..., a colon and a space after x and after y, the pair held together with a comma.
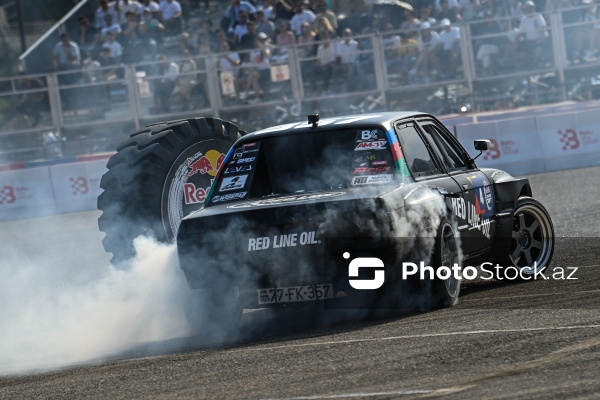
x: 532, y: 241
x: 158, y: 175
x: 444, y: 292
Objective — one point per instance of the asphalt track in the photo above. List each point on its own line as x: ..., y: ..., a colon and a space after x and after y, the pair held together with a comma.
x: 534, y: 340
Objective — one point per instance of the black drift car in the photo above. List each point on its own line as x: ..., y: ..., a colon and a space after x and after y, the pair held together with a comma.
x: 293, y: 207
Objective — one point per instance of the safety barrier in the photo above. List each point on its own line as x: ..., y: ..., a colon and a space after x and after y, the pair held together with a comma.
x: 534, y: 141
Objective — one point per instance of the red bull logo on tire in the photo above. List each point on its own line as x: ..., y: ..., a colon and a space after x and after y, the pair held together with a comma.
x: 207, y: 164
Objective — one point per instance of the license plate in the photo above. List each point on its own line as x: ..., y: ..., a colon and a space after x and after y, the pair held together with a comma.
x: 295, y: 294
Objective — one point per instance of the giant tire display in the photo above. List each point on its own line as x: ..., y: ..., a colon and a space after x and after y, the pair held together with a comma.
x: 158, y: 175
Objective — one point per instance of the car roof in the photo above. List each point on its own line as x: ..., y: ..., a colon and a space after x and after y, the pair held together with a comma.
x: 383, y: 118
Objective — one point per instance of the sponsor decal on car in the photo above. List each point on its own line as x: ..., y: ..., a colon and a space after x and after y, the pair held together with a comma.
x: 375, y: 170
x: 376, y: 145
x: 244, y: 160
x: 371, y: 179
x: 233, y: 183
x: 285, y: 240
x: 238, y: 169
x: 287, y: 199
x: 229, y: 197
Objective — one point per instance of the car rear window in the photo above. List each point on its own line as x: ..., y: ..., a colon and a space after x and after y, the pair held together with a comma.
x: 306, y: 162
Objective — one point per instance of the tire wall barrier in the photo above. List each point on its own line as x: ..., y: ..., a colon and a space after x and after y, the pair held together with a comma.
x: 522, y: 145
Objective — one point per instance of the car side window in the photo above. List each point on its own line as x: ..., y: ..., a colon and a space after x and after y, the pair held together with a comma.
x: 417, y: 156
x: 449, y: 155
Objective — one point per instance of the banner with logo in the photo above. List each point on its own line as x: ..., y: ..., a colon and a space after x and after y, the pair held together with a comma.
x: 280, y: 73
x: 77, y: 186
x: 227, y: 83
x: 26, y: 193
x: 570, y: 140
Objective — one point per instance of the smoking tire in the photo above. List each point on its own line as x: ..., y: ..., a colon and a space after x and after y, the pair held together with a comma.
x: 444, y: 292
x: 158, y: 175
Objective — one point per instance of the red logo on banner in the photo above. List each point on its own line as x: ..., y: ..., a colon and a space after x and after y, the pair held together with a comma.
x: 569, y: 139
x: 79, y: 185
x: 494, y: 152
x: 7, y: 195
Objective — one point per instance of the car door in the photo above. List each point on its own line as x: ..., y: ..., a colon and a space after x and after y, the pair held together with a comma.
x: 421, y: 160
x: 476, y: 212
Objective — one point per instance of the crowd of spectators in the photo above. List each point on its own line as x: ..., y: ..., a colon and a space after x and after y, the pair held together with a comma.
x: 421, y: 42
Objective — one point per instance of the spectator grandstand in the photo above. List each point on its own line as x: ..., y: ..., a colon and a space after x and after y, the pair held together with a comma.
x: 111, y: 66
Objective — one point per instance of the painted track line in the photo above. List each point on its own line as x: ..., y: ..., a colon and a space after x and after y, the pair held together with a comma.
x: 355, y: 395
x: 424, y: 335
x: 530, y: 295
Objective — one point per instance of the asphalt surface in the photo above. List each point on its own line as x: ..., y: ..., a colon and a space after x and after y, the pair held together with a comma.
x: 533, y: 340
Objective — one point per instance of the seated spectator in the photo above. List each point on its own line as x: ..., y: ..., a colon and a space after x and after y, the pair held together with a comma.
x: 411, y: 23
x: 450, y: 40
x: 151, y: 29
x: 170, y: 16
x: 264, y: 25
x: 110, y: 26
x: 241, y: 28
x: 105, y: 9
x: 229, y: 61
x: 149, y: 5
x: 116, y: 50
x: 31, y: 104
x: 232, y: 15
x: 283, y: 10
x: 267, y: 9
x: 248, y: 41
x: 533, y: 30
x: 427, y: 61
x: 259, y: 75
x: 448, y: 11
x: 303, y: 14
x: 306, y: 42
x: 408, y: 51
x: 322, y: 11
x: 185, y: 44
x: 90, y: 69
x: 88, y: 35
x: 307, y: 49
x: 469, y: 9
x: 438, y: 7
x: 108, y: 64
x: 164, y: 86
x: 66, y: 55
x: 425, y: 17
x: 126, y: 6
x: 207, y: 37
x: 285, y: 39
x: 326, y: 56
x: 187, y: 78
x: 324, y: 29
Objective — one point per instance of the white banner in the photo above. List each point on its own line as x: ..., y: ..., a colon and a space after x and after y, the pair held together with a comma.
x: 77, y: 186
x: 26, y: 193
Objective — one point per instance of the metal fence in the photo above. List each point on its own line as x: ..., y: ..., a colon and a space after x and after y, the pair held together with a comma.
x: 93, y: 109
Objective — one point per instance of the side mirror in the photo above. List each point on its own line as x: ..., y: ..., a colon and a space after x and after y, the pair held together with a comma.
x: 482, y: 145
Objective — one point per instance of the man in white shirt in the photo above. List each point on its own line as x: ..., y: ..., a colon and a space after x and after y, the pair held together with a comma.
x: 170, y: 16
x: 125, y: 6
x: 450, y: 42
x: 303, y: 15
x: 533, y: 29
x: 347, y: 51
